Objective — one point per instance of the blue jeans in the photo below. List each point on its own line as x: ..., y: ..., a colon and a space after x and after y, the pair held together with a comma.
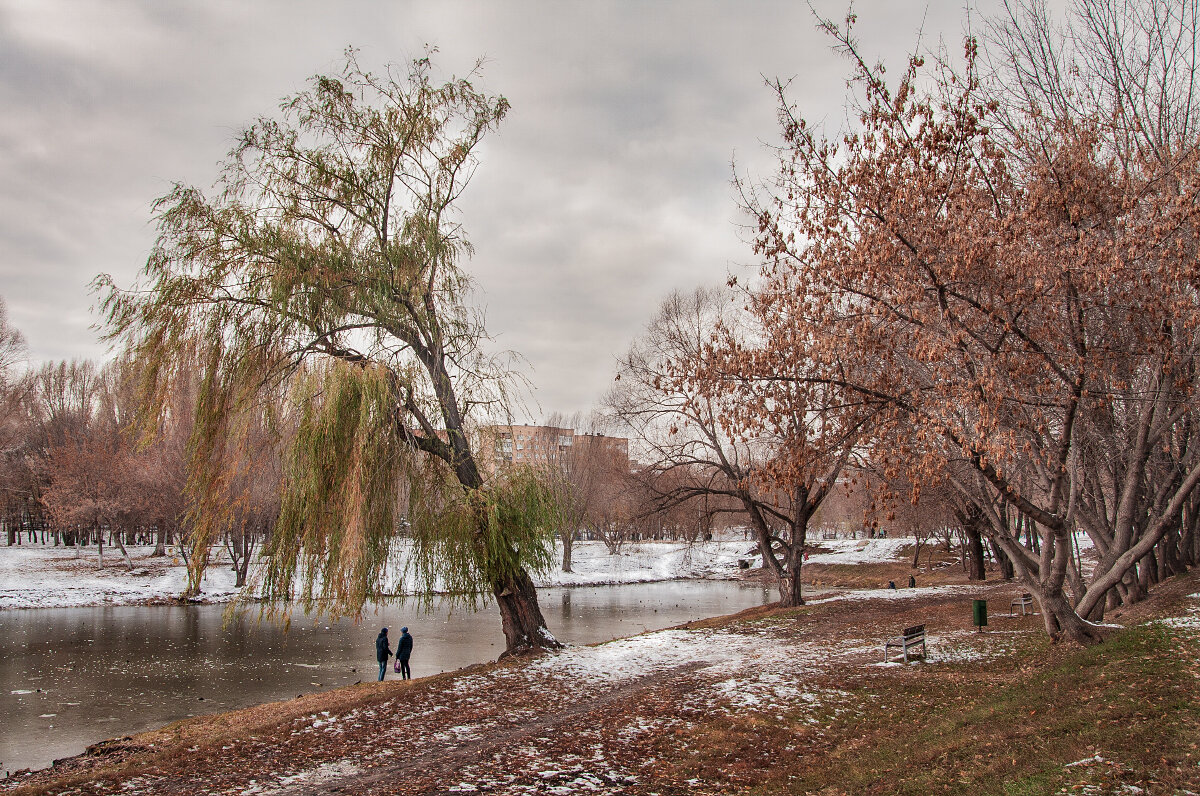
x: 382, y: 669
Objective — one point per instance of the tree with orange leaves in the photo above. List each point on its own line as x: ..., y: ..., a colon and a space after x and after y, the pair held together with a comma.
x: 774, y: 448
x: 1007, y: 298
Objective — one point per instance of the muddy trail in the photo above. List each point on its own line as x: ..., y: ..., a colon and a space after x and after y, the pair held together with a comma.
x: 619, y: 717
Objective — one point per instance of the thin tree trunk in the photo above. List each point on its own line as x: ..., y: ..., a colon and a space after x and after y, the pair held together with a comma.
x: 975, y: 553
x: 124, y: 552
x: 1170, y: 562
x: 1006, y: 564
x: 568, y: 542
x: 917, y: 553
x: 243, y: 567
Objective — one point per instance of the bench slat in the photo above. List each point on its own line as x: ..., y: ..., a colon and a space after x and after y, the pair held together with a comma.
x: 911, y: 637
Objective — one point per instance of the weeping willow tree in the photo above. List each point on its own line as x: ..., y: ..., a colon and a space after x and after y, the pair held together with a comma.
x: 325, y: 267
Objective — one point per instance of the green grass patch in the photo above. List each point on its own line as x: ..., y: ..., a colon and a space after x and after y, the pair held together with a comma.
x: 1008, y: 727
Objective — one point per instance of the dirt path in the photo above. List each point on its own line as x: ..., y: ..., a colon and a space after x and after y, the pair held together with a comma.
x: 588, y: 720
x: 441, y: 761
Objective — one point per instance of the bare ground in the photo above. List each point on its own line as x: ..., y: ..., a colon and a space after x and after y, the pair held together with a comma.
x: 766, y: 701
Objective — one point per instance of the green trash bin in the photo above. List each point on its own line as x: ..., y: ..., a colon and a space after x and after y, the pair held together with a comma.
x: 979, y: 613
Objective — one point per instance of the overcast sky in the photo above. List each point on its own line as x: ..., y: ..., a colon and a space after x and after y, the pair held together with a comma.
x: 607, y: 186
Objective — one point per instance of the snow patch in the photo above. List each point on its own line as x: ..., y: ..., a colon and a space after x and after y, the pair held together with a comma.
x: 860, y: 551
x: 1191, y: 623
x: 303, y: 781
x: 897, y: 594
x: 52, y: 577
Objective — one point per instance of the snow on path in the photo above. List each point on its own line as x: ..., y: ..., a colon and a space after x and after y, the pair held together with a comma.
x: 729, y: 670
x: 646, y: 562
x: 860, y: 551
x: 899, y: 594
x: 747, y: 668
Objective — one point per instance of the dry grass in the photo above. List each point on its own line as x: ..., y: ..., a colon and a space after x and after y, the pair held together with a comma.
x: 1005, y: 724
x: 1130, y: 708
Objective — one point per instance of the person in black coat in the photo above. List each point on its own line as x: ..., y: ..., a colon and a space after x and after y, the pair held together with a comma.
x: 403, y: 651
x: 383, y: 651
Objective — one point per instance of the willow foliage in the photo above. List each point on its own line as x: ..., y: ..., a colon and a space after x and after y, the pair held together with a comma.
x: 317, y: 292
x: 466, y: 542
x: 338, y: 511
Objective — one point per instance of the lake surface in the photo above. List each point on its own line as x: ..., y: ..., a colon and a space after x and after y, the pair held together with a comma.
x: 70, y: 677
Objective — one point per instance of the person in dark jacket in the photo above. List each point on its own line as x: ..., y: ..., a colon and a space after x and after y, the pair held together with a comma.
x: 383, y: 651
x: 403, y: 651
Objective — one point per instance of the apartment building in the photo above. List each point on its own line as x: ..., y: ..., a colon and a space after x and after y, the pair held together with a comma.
x: 617, y: 447
x: 542, y: 445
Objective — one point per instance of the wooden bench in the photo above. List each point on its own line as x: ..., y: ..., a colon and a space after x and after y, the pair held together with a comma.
x: 911, y: 637
x: 1022, y: 602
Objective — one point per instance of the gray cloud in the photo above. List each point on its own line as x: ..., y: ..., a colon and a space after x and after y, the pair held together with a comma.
x: 607, y: 187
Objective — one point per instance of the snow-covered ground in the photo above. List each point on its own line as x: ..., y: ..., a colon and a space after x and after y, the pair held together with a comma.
x: 646, y: 562
x: 32, y: 576
x: 860, y: 551
x: 736, y: 670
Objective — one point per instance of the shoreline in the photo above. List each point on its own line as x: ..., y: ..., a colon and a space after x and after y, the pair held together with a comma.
x: 37, y: 576
x: 396, y: 599
x: 648, y: 705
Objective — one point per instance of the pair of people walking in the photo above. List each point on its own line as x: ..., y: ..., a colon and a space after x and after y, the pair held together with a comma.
x: 383, y: 651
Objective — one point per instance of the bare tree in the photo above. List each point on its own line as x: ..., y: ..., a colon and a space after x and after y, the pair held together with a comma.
x: 688, y: 413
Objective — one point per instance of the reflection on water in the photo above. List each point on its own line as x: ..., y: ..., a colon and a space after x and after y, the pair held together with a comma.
x: 72, y: 676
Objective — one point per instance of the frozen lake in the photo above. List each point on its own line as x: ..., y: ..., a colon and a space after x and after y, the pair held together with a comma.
x: 70, y: 677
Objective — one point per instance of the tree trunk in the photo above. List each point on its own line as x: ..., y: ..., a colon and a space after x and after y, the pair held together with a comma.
x: 975, y: 553
x: 568, y: 542
x: 124, y: 552
x: 243, y: 567
x: 1170, y: 562
x: 1190, y: 545
x: 521, y: 618
x: 790, y: 592
x: 1033, y: 538
x: 1148, y: 572
x: 1006, y: 564
x: 1062, y: 623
